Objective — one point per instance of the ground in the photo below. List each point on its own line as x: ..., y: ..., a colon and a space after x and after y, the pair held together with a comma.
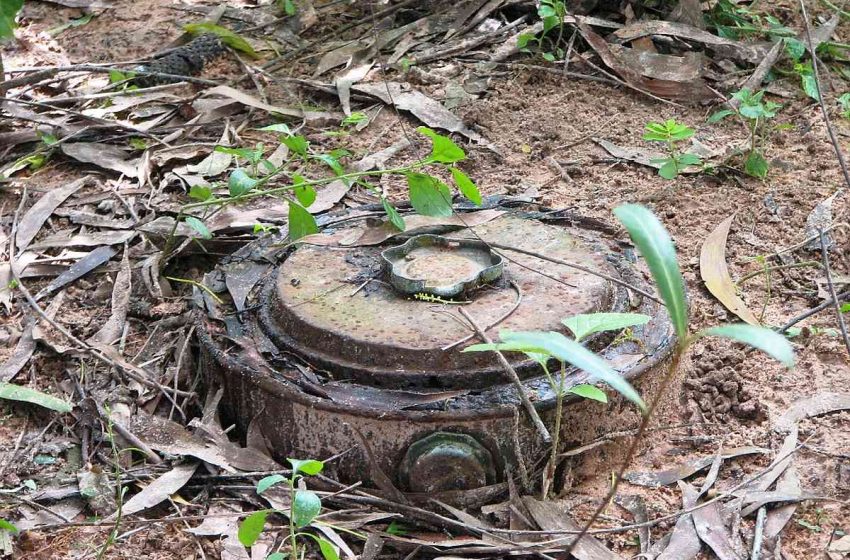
x: 532, y: 116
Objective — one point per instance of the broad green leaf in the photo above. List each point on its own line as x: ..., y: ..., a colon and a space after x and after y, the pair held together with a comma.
x: 771, y: 343
x: 201, y: 193
x: 252, y: 527
x: 7, y: 526
x: 289, y: 7
x: 282, y: 128
x: 795, y: 48
x: 756, y: 165
x: 428, y: 195
x: 720, y: 115
x: 227, y: 36
x: 567, y: 350
x: 301, y: 222
x: 328, y: 550
x: 669, y: 170
x: 523, y: 40
x: 443, y: 149
x: 393, y: 215
x: 14, y: 392
x: 305, y: 194
x: 297, y: 144
x: 276, y: 556
x: 810, y: 85
x: 845, y: 308
x: 589, y: 392
x: 466, y: 186
x: 269, y: 481
x: 305, y: 507
x: 585, y: 325
x: 199, y: 226
x: 240, y: 182
x: 689, y: 159
x: 8, y: 11
x: 548, y: 57
x: 116, y: 76
x: 311, y: 467
x: 657, y: 249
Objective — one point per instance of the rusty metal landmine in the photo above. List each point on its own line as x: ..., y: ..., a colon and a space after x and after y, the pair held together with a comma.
x: 326, y: 356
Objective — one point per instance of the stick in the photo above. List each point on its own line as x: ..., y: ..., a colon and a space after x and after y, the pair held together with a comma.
x: 841, y: 325
x: 532, y: 412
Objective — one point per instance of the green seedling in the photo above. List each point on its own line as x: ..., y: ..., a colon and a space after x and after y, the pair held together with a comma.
x: 305, y: 506
x: 671, y: 133
x: 844, y: 103
x: 551, y: 13
x: 755, y: 112
x: 8, y: 10
x: 228, y: 37
x: 288, y: 7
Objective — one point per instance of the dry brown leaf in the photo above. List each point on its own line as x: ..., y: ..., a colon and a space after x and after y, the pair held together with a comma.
x: 251, y: 101
x: 105, y: 156
x: 820, y: 403
x: 715, y: 273
x: 550, y: 517
x: 684, y: 541
x: 62, y: 239
x: 159, y: 490
x: 675, y: 474
x: 34, y: 218
x: 79, y: 269
x: 111, y: 331
x: 172, y: 438
x: 713, y: 531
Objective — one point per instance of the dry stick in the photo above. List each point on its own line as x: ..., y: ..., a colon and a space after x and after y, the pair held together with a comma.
x: 575, y: 266
x: 841, y: 325
x: 532, y: 412
x: 823, y: 109
x: 632, y: 450
x: 759, y: 534
x: 507, y: 314
x: 814, y: 311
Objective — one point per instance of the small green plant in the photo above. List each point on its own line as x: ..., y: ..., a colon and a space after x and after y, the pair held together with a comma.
x: 671, y: 133
x: 552, y: 14
x: 8, y: 10
x: 288, y: 7
x: 304, y: 507
x: 844, y: 103
x: 228, y: 37
x: 756, y: 112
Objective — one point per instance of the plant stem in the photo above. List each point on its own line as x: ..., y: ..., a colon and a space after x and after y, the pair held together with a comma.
x: 292, y: 535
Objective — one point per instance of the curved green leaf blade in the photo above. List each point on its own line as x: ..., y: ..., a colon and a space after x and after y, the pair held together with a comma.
x: 585, y: 325
x: 8, y: 526
x: 240, y: 182
x: 393, y: 215
x: 252, y: 527
x: 227, y: 36
x: 466, y: 186
x: 590, y: 392
x: 269, y: 481
x: 567, y: 350
x: 199, y: 226
x: 443, y: 149
x: 8, y: 11
x: 329, y: 552
x: 311, y: 467
x: 301, y: 222
x: 657, y: 249
x: 771, y: 343
x: 305, y: 507
x: 19, y: 393
x: 429, y: 196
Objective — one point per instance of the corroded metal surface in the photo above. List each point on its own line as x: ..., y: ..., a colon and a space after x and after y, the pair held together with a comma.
x: 318, y: 366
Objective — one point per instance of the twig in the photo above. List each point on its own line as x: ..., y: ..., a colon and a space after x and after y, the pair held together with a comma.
x: 494, y: 323
x: 775, y: 268
x: 842, y: 326
x: 821, y: 99
x: 815, y: 310
x: 577, y: 267
x: 128, y: 435
x: 37, y: 74
x: 759, y: 533
x: 529, y: 407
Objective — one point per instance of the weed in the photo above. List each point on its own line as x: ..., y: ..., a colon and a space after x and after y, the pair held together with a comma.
x: 552, y: 14
x: 304, y: 507
x: 756, y: 112
x: 671, y: 133
x: 844, y: 103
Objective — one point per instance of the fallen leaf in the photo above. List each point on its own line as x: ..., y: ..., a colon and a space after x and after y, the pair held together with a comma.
x: 636, y: 505
x: 777, y: 518
x: 158, y: 491
x: 551, y: 516
x: 20, y: 393
x: 105, y: 156
x: 240, y: 278
x: 713, y: 531
x: 816, y: 405
x: 669, y: 476
x: 715, y: 273
x: 62, y: 239
x: 819, y: 219
x: 684, y: 541
x: 251, y: 101
x: 759, y: 499
x: 110, y: 332
x: 97, y: 490
x: 170, y: 437
x: 83, y: 266
x: 23, y: 352
x: 34, y: 218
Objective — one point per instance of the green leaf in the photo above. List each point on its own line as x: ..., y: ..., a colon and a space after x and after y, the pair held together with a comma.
x: 200, y: 192
x: 331, y: 162
x: 396, y: 528
x: 845, y: 308
x: 328, y: 550
x: 354, y: 118
x: 301, y: 222
x: 305, y: 507
x: 305, y: 194
x: 14, y: 392
x: 756, y: 165
x: 267, y: 482
x: 8, y: 526
x: 771, y: 343
x: 567, y: 350
x: 524, y: 39
x: 443, y: 149
x: 794, y: 47
x: 585, y: 325
x: 689, y: 159
x: 720, y: 115
x: 227, y: 36
x: 393, y: 215
x: 669, y: 170
x: 276, y: 556
x: 657, y: 249
x: 297, y: 144
x: 589, y: 392
x: 810, y: 85
x: 252, y: 527
x: 282, y: 128
x: 240, y: 182
x: 428, y: 195
x: 8, y: 11
x: 311, y: 467
x: 199, y: 226
x: 466, y: 186
x: 289, y: 8
x: 116, y: 76
x: 548, y: 57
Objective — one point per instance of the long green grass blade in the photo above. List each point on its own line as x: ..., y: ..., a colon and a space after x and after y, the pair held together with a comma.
x: 771, y: 343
